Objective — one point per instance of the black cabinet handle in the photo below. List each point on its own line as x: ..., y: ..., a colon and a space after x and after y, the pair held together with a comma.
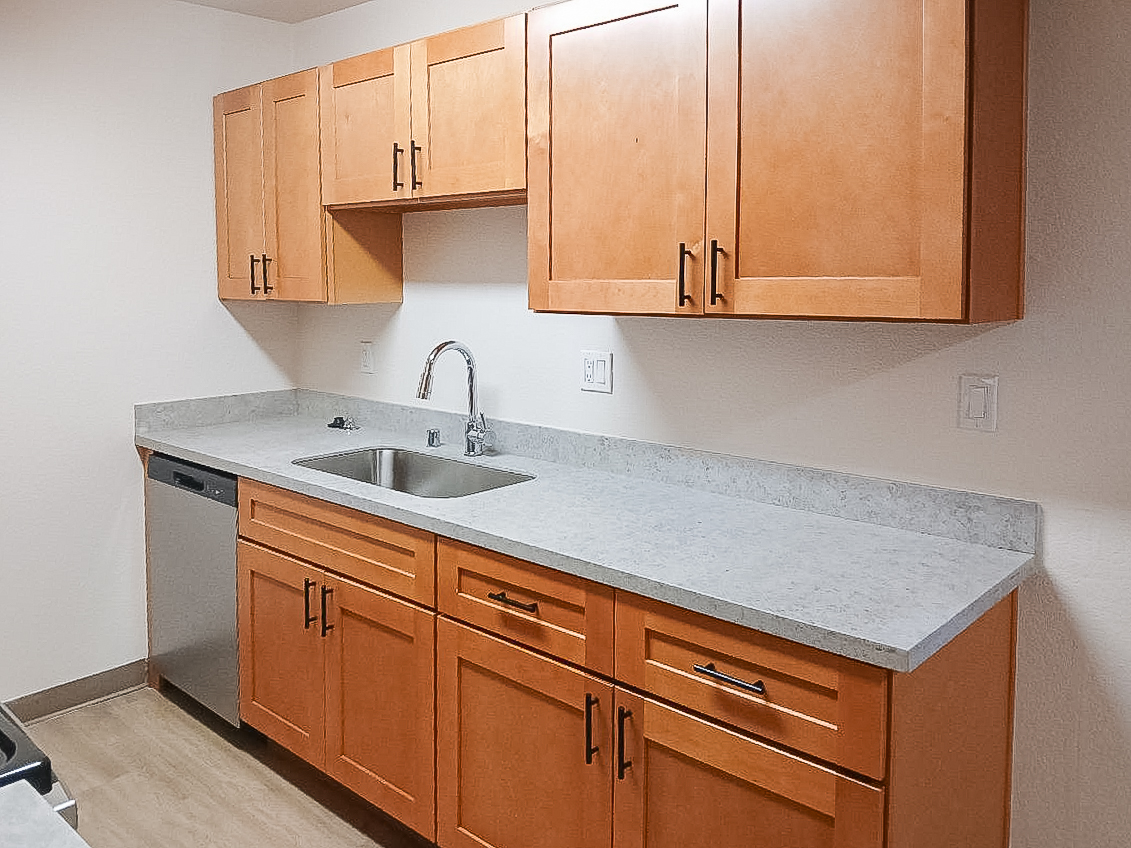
x: 398, y: 184
x: 308, y: 619
x: 684, y: 253
x: 623, y: 765
x: 715, y: 251
x: 591, y: 701
x: 414, y: 148
x: 502, y: 598
x: 266, y: 288
x: 254, y: 262
x: 757, y: 687
x: 326, y: 625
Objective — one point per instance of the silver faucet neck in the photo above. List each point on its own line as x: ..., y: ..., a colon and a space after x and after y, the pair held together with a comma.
x: 424, y: 389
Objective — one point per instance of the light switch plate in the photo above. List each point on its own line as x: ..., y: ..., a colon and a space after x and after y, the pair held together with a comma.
x: 596, y: 371
x: 977, y: 402
x: 366, y: 360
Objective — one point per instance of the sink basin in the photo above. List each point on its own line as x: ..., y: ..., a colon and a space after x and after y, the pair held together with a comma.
x: 416, y: 473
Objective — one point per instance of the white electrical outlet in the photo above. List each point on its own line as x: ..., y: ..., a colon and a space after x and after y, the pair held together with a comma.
x: 977, y: 402
x: 366, y: 358
x: 596, y: 371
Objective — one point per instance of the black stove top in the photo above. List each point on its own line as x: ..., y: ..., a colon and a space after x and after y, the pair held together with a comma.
x: 20, y: 758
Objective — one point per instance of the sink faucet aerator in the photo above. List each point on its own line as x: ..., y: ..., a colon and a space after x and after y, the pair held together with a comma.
x: 478, y: 435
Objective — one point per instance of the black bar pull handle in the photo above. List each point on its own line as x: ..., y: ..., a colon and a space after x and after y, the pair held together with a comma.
x: 715, y: 251
x: 684, y: 253
x: 308, y: 619
x: 398, y: 184
x: 266, y: 287
x: 502, y: 598
x: 591, y: 701
x: 623, y: 765
x: 757, y: 687
x: 415, y: 148
x: 326, y: 625
x: 254, y: 262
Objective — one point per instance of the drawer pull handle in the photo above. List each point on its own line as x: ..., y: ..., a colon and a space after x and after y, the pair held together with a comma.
x: 415, y: 148
x: 267, y: 287
x: 591, y: 701
x: 757, y: 687
x: 398, y: 183
x: 684, y: 253
x: 623, y: 765
x: 502, y: 598
x: 716, y: 296
x: 309, y: 619
x: 254, y: 262
x: 326, y: 625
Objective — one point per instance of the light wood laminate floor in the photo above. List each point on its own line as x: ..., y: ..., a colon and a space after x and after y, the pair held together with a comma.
x: 153, y: 769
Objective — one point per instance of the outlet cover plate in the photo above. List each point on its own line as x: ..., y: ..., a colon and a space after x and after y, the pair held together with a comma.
x: 596, y: 371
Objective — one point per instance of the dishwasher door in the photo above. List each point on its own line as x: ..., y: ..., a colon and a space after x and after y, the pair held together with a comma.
x: 190, y: 514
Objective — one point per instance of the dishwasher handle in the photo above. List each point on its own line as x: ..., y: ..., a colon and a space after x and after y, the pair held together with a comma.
x: 193, y: 479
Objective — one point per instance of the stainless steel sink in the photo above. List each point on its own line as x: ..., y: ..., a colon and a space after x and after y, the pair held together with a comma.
x: 420, y: 474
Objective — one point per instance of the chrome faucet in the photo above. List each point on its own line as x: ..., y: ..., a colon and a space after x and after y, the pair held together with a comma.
x: 477, y: 434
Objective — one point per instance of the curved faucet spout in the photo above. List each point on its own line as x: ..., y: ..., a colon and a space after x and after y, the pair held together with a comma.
x: 478, y: 436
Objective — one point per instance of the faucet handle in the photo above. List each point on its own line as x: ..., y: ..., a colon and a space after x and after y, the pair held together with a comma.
x: 479, y: 436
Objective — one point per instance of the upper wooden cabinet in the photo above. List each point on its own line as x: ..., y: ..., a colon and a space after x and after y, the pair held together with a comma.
x: 274, y: 240
x: 268, y: 218
x: 850, y: 160
x: 440, y: 117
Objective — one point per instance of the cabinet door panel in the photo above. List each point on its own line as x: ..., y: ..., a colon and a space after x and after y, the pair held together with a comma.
x: 694, y: 783
x: 365, y: 110
x: 281, y: 657
x: 293, y: 216
x: 617, y: 121
x: 468, y: 109
x: 379, y: 702
x: 238, y: 131
x: 511, y: 737
x: 842, y: 191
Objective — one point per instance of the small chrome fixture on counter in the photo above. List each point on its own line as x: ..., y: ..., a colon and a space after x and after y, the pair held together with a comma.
x: 478, y: 436
x: 433, y: 438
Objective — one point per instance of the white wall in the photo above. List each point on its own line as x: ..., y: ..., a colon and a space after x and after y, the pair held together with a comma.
x: 107, y: 265
x: 874, y: 399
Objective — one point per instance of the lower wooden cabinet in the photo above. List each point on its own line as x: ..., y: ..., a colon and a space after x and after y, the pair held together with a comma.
x: 342, y: 675
x: 534, y: 752
x: 512, y: 769
x: 686, y: 781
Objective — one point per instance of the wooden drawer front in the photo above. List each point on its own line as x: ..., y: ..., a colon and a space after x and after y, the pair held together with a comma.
x: 371, y: 550
x: 572, y: 618
x: 827, y: 706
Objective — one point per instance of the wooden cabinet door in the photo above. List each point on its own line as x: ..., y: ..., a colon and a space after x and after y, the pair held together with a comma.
x: 238, y: 135
x: 293, y: 217
x: 380, y: 701
x: 691, y: 782
x: 281, y: 649
x: 836, y: 158
x: 511, y: 747
x: 617, y: 134
x: 469, y: 110
x: 366, y: 126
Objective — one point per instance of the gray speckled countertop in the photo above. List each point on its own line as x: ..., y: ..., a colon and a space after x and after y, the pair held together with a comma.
x: 887, y: 595
x: 27, y: 821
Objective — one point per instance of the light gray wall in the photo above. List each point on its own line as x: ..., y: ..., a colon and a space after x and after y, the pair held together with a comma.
x: 107, y: 268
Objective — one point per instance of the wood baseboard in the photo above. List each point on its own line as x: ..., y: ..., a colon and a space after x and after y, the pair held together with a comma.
x: 70, y: 695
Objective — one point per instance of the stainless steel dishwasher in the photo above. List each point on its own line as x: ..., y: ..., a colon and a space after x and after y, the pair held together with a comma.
x: 190, y: 522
